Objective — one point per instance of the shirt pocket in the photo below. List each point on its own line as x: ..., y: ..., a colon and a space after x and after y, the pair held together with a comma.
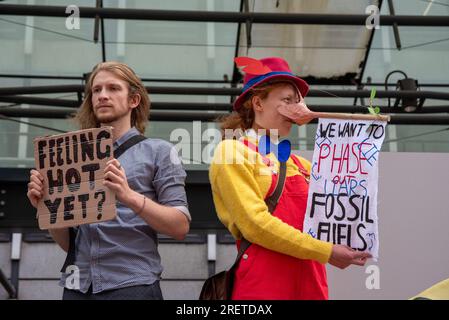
x: 135, y: 177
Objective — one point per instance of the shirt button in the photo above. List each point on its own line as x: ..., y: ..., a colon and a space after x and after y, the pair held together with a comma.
x: 245, y: 256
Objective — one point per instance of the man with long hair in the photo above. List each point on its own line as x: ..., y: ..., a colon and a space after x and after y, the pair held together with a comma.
x: 119, y: 259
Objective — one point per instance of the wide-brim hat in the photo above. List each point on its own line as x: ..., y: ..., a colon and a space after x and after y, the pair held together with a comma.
x: 264, y: 70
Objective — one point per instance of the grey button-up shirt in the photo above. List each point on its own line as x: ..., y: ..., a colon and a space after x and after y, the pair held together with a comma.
x: 123, y: 252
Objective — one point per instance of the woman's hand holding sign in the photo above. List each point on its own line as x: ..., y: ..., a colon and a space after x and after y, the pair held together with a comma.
x: 343, y: 256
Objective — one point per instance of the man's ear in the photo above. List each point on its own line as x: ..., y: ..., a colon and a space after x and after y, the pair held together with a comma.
x: 257, y: 103
x: 134, y: 100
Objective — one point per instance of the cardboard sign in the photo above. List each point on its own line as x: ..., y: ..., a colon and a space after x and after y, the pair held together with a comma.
x: 342, y: 200
x: 72, y: 166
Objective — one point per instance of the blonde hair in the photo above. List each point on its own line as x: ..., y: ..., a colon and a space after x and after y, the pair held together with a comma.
x: 85, y: 116
x: 244, y: 117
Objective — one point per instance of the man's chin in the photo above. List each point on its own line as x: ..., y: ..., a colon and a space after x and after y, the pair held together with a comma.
x: 105, y: 119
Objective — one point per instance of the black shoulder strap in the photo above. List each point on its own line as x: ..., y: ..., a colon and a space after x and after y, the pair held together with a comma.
x: 128, y: 144
x: 70, y: 258
x: 271, y: 202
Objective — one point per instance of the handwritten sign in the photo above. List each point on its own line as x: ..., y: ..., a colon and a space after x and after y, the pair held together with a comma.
x: 72, y: 166
x: 342, y: 201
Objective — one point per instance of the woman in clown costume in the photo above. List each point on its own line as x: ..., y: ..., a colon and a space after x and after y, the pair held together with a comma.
x: 281, y: 261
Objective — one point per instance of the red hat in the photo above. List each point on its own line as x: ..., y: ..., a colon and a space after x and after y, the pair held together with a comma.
x: 264, y: 70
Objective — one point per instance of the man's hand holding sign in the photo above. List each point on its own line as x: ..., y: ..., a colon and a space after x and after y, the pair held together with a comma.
x: 115, y: 179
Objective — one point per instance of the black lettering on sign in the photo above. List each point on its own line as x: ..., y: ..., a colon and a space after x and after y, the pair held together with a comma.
x: 368, y: 220
x: 342, y: 207
x: 349, y: 235
x: 315, y: 202
x: 42, y: 155
x: 100, y: 203
x: 379, y: 133
x: 376, y: 131
x: 349, y: 129
x: 83, y: 198
x: 51, y: 152
x: 55, y: 182
x: 329, y: 213
x: 53, y: 209
x: 87, y: 146
x: 59, y: 159
x: 324, y: 228
x: 67, y: 150
x: 91, y: 168
x: 103, y: 135
x: 341, y: 235
x: 68, y: 206
x: 329, y: 131
x: 355, y: 206
x: 73, y: 179
x: 75, y: 148
x: 334, y: 227
x: 360, y: 226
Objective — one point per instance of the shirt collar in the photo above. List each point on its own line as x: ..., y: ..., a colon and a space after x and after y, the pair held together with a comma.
x: 128, y: 134
x: 251, y: 133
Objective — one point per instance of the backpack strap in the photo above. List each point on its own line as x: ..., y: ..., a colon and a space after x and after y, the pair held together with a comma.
x: 128, y: 144
x: 71, y: 254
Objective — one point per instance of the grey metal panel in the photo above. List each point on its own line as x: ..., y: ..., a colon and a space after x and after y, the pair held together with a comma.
x: 181, y: 290
x: 41, y: 260
x: 3, y: 294
x: 40, y: 290
x: 5, y: 258
x: 226, y: 254
x: 184, y: 261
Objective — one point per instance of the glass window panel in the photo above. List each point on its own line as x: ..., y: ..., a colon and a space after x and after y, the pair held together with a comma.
x: 419, y: 7
x: 423, y: 56
x: 42, y: 45
x: 173, y: 50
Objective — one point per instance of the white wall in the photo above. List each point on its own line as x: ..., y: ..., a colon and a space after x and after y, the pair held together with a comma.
x: 413, y: 211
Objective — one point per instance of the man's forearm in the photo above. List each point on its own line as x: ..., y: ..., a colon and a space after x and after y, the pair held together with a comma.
x: 163, y: 219
x: 61, y: 237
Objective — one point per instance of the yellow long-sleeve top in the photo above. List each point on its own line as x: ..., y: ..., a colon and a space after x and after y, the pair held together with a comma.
x: 240, y: 181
